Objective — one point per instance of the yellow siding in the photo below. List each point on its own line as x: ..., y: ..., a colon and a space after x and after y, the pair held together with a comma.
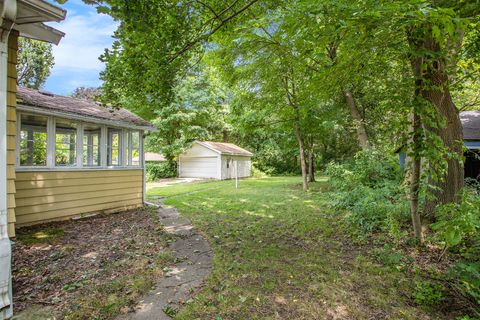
x: 59, y: 195
x: 11, y: 128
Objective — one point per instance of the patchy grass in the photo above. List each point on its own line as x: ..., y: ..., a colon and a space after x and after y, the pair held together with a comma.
x: 47, y: 235
x: 281, y: 253
x: 183, y: 188
x: 92, y: 268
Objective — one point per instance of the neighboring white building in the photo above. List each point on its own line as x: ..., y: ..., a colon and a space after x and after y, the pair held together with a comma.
x: 214, y: 160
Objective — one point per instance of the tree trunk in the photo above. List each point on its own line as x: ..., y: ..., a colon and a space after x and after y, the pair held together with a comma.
x: 292, y: 101
x: 311, y: 166
x: 414, y: 175
x: 362, y: 135
x: 303, y: 161
x: 414, y: 203
x: 436, y: 91
x: 225, y: 135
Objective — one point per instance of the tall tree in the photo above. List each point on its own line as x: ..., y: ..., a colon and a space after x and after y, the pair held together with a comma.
x: 86, y: 93
x: 35, y: 61
x: 197, y: 113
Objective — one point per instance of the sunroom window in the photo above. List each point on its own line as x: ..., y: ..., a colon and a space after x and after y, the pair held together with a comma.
x: 114, y: 147
x: 33, y: 140
x: 135, y: 148
x: 65, y: 143
x: 91, y: 145
x: 51, y: 142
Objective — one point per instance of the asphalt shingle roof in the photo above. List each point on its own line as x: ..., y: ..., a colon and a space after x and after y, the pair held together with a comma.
x: 49, y: 101
x: 226, y: 148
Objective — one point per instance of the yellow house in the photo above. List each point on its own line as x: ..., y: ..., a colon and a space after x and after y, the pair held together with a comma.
x: 74, y: 157
x: 24, y: 18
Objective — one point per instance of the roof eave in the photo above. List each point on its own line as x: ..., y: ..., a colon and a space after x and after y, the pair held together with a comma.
x: 223, y: 152
x: 207, y: 146
x: 40, y: 31
x: 45, y: 10
x: 237, y: 154
x: 31, y: 16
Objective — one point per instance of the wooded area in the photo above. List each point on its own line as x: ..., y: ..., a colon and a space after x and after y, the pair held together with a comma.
x: 327, y: 78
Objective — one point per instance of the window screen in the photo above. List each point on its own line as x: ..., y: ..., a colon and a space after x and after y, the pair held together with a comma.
x: 135, y: 145
x: 91, y: 145
x: 65, y: 143
x: 114, y: 147
x: 33, y: 140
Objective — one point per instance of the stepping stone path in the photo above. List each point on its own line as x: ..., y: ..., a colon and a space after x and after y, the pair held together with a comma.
x: 195, y: 256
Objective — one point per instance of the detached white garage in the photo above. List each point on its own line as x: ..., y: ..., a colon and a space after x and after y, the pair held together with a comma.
x: 215, y: 160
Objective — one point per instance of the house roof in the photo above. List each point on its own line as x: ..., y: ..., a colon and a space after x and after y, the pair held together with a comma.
x: 471, y: 124
x: 39, y: 101
x: 152, y: 156
x: 225, y: 148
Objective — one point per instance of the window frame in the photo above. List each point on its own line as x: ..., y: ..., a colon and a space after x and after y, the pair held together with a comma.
x: 77, y: 129
x: 18, y: 139
x: 124, y: 143
x: 129, y: 145
x: 121, y: 147
x: 82, y: 146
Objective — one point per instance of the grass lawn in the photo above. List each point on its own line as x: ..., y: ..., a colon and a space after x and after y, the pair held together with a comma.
x: 94, y: 268
x: 180, y: 189
x: 280, y: 253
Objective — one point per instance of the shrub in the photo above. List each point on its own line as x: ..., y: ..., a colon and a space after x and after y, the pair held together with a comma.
x: 428, y: 293
x: 369, y: 188
x: 458, y: 228
x: 257, y: 173
x: 458, y: 224
x: 158, y: 170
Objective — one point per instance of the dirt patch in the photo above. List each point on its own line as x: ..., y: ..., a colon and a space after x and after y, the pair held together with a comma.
x: 90, y: 268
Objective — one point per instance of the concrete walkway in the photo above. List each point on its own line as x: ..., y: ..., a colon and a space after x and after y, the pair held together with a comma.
x: 195, y: 256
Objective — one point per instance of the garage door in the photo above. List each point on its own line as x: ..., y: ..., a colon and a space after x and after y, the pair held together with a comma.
x: 198, y: 167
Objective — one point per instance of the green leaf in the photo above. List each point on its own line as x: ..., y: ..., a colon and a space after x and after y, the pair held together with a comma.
x: 453, y: 237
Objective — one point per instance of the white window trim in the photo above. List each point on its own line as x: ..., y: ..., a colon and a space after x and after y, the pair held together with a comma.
x: 80, y: 127
x: 126, y: 151
x: 128, y: 146
x: 125, y: 142
x: 103, y: 146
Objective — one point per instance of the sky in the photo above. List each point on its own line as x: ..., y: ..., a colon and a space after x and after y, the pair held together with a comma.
x: 87, y: 35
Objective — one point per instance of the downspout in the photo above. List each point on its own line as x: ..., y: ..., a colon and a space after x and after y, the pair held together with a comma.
x: 8, y: 12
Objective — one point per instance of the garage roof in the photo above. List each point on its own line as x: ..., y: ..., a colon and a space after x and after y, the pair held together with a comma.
x: 225, y: 148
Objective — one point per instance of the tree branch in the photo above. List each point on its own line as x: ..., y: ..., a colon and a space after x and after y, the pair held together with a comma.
x: 191, y: 44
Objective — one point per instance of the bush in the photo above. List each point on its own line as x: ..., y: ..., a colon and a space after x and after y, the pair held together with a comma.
x: 257, y: 173
x: 159, y: 170
x: 369, y: 188
x: 458, y: 229
x: 428, y: 293
x: 458, y: 225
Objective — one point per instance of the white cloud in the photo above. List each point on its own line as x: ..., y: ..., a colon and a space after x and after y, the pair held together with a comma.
x: 86, y: 37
